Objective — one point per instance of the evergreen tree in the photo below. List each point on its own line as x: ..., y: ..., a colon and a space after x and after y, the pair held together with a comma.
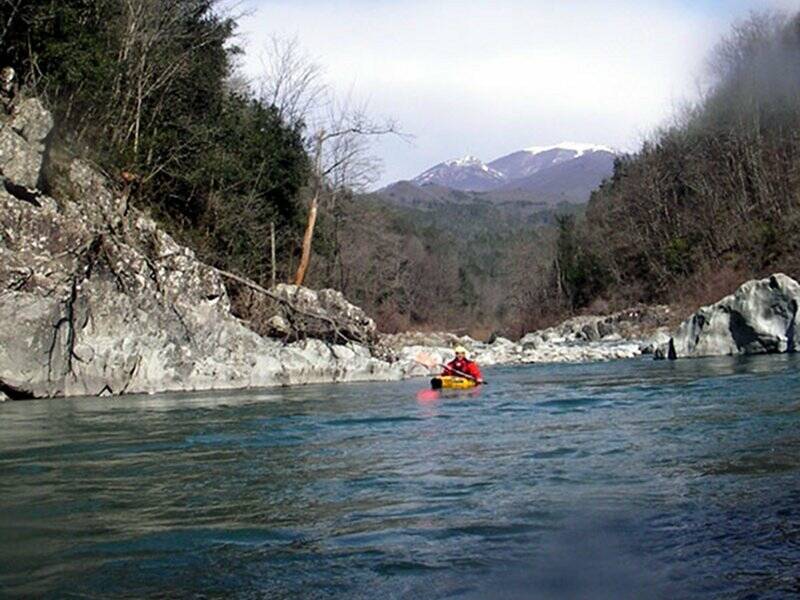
x: 143, y: 86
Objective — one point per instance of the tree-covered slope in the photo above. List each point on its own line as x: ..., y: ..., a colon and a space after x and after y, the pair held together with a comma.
x: 711, y: 200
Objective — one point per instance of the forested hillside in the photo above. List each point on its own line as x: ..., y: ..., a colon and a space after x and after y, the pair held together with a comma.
x: 147, y: 90
x: 464, y: 266
x: 709, y: 201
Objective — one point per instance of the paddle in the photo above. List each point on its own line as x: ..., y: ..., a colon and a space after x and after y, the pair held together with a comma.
x: 428, y: 361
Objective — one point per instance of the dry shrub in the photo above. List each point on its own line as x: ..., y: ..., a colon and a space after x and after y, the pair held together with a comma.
x: 392, y: 322
x: 481, y: 331
x: 789, y: 265
x: 251, y: 307
x: 598, y: 306
x: 534, y: 321
x: 706, y: 288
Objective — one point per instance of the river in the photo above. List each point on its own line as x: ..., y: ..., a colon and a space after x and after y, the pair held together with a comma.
x: 630, y: 479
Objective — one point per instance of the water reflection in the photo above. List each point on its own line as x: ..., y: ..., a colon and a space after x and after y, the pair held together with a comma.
x: 428, y: 395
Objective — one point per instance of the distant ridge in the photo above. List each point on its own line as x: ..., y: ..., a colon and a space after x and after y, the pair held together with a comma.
x: 546, y: 175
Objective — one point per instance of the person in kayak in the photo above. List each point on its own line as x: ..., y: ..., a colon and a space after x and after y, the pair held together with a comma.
x: 461, y: 366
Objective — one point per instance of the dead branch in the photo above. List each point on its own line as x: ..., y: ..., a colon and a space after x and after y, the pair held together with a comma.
x: 288, y: 305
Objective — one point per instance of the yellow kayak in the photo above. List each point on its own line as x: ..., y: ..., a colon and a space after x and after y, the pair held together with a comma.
x: 452, y: 382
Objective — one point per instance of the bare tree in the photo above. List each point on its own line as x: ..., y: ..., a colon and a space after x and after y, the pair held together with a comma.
x: 291, y: 80
x: 340, y: 132
x: 11, y: 8
x: 341, y: 162
x: 155, y: 50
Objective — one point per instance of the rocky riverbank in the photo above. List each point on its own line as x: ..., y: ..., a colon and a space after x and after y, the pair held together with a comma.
x: 625, y: 334
x: 95, y: 299
x: 760, y: 317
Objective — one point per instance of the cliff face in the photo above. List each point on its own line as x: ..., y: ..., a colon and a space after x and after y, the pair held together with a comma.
x: 96, y: 299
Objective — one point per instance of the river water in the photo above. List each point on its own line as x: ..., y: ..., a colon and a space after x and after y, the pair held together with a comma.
x: 630, y: 479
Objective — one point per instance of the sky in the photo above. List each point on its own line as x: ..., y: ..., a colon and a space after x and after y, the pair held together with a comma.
x: 487, y: 78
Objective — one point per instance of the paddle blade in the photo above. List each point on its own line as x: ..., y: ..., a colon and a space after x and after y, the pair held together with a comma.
x: 426, y: 359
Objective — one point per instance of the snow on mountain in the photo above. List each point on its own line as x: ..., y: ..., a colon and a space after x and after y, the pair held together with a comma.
x: 577, y: 147
x: 569, y: 179
x: 467, y: 174
x: 568, y: 171
x: 526, y: 163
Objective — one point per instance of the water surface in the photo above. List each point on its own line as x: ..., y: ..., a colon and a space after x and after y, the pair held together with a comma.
x: 628, y: 479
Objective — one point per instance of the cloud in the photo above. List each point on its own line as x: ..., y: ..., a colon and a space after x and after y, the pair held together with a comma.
x: 489, y: 77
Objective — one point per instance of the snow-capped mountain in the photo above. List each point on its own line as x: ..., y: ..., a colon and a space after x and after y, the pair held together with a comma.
x: 466, y: 174
x: 568, y: 172
x: 525, y: 163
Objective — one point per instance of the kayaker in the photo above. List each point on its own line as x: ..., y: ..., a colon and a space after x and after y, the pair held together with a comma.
x: 461, y: 366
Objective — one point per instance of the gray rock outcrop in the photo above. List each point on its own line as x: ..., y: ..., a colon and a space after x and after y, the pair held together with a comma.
x: 96, y: 299
x: 322, y: 314
x: 22, y: 137
x: 758, y: 318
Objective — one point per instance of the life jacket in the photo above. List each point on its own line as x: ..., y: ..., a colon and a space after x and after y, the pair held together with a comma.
x: 465, y: 366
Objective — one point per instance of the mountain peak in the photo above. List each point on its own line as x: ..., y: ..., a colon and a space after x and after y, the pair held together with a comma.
x: 575, y: 168
x: 466, y: 173
x: 464, y: 161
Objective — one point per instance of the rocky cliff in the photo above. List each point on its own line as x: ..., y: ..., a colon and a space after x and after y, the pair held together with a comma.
x: 96, y: 299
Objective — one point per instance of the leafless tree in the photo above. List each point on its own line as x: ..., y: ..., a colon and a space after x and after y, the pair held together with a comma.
x: 147, y: 71
x: 340, y: 132
x: 291, y: 81
x: 12, y: 8
x: 342, y: 162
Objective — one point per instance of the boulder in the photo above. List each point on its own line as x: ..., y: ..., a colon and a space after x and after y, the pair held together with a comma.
x: 33, y: 122
x: 758, y: 318
x: 325, y: 314
x: 590, y: 332
x: 531, y: 341
x: 605, y: 327
x: 652, y: 343
x: 22, y: 143
x: 278, y: 327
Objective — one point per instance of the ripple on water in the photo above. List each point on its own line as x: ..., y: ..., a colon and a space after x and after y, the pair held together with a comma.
x: 579, y: 404
x: 601, y: 481
x: 556, y: 453
x: 369, y: 421
x: 753, y: 464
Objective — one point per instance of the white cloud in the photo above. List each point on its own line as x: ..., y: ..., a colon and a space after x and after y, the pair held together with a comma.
x: 489, y: 77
